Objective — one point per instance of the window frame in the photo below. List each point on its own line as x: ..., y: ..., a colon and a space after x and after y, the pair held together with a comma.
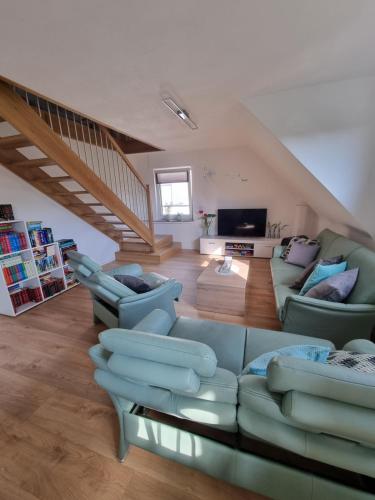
x: 158, y: 195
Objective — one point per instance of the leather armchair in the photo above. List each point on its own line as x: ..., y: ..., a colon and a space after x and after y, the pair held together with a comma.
x: 115, y: 304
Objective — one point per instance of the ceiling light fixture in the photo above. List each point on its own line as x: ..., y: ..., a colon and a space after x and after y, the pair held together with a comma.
x: 181, y: 113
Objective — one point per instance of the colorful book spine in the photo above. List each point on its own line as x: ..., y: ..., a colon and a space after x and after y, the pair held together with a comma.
x: 12, y: 241
x: 15, y: 269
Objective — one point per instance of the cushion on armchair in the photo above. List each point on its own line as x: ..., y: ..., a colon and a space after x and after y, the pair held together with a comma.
x: 138, y: 285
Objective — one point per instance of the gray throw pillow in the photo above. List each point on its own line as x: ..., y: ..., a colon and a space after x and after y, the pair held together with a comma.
x: 336, y: 288
x: 302, y: 253
x: 302, y: 278
x: 138, y: 285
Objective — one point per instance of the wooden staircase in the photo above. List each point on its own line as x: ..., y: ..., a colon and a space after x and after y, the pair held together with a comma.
x: 82, y: 166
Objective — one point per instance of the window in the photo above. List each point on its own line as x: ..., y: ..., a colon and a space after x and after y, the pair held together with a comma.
x: 173, y: 191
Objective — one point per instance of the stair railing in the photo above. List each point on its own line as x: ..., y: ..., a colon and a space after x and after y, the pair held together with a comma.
x: 98, y: 149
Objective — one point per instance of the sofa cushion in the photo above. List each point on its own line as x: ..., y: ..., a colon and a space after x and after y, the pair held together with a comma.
x: 259, y: 365
x: 154, y: 373
x: 301, y: 254
x: 138, y: 285
x: 259, y: 341
x: 342, y: 245
x: 281, y: 293
x: 336, y: 288
x: 322, y: 272
x: 227, y: 340
x: 283, y: 273
x: 364, y: 290
x: 326, y: 238
x: 301, y: 280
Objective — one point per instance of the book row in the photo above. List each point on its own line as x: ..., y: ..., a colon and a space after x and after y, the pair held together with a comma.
x: 12, y: 241
x: 25, y: 296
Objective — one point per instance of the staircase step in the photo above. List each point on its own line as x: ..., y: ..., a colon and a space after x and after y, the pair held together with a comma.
x: 40, y: 162
x: 14, y: 141
x: 83, y: 204
x: 161, y: 241
x: 97, y: 215
x: 149, y: 257
x: 54, y: 180
x: 71, y: 193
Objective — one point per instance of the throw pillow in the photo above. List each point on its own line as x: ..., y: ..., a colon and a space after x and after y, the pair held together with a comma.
x: 364, y: 363
x: 336, y: 288
x: 297, y: 239
x: 302, y: 254
x: 300, y: 281
x: 310, y: 352
x: 321, y: 273
x: 136, y: 284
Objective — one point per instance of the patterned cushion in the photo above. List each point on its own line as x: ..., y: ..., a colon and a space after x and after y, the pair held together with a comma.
x: 364, y: 363
x: 298, y: 239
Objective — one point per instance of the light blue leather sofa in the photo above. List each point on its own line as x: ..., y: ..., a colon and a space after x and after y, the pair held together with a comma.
x: 204, y: 411
x: 114, y: 303
x: 339, y: 322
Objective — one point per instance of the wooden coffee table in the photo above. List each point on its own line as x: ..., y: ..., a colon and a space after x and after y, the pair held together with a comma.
x: 223, y: 293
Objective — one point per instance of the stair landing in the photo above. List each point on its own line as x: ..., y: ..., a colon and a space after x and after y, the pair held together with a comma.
x: 142, y: 253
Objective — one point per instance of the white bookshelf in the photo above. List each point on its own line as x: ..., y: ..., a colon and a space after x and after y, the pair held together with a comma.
x: 35, y: 276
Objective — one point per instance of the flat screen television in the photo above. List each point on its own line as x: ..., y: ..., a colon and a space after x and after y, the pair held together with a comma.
x: 243, y: 222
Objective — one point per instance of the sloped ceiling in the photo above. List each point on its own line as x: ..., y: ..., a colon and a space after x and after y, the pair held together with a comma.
x: 113, y: 60
x: 330, y: 129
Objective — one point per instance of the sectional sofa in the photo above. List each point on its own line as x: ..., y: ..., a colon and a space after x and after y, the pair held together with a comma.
x: 338, y: 322
x: 179, y: 390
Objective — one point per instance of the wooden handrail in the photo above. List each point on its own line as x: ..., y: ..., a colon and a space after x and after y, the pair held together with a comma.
x: 31, y: 125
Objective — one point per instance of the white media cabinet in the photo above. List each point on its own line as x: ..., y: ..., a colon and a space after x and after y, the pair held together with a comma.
x: 238, y: 247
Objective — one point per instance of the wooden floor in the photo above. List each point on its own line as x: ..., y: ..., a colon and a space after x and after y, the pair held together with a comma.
x: 58, y: 430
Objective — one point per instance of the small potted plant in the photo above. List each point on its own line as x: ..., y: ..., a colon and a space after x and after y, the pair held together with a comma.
x: 207, y: 220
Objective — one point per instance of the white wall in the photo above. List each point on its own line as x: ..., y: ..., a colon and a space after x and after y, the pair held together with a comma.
x: 222, y: 178
x: 30, y: 204
x: 330, y: 129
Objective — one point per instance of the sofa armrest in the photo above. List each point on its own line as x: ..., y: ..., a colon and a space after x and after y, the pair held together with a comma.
x: 172, y: 287
x: 286, y: 374
x: 157, y: 321
x: 131, y: 269
x: 337, y: 322
x: 362, y: 346
x: 330, y: 306
x: 278, y: 250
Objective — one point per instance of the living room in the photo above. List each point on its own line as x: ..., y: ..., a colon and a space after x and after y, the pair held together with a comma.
x: 187, y: 250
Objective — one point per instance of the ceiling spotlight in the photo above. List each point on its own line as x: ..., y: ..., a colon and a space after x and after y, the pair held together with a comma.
x: 181, y: 113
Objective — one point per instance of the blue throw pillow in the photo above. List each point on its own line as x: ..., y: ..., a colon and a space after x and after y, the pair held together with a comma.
x: 321, y: 273
x: 310, y: 352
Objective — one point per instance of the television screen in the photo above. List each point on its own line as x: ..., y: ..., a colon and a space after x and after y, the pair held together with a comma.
x: 246, y: 222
